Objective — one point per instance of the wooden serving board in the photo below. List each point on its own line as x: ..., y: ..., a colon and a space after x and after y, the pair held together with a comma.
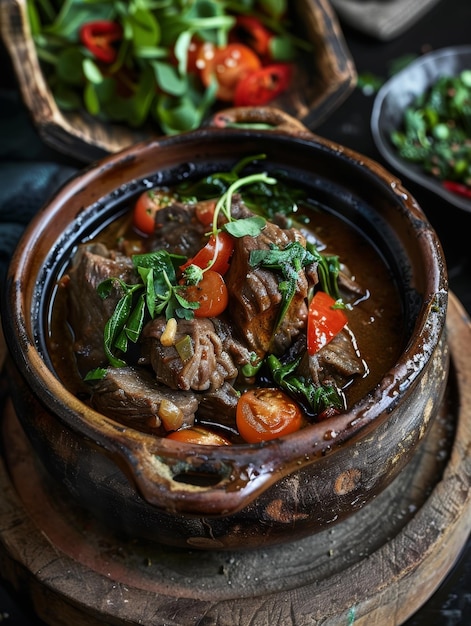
x: 376, y: 568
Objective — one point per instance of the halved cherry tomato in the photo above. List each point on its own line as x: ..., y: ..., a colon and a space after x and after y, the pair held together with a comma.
x: 199, y: 435
x: 250, y: 31
x: 323, y: 322
x: 146, y: 207
x: 266, y: 413
x: 228, y: 65
x: 215, y: 254
x: 261, y: 86
x: 211, y: 294
x: 204, y: 211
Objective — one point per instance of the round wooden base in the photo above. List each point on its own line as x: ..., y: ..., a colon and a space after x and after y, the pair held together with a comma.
x: 378, y: 567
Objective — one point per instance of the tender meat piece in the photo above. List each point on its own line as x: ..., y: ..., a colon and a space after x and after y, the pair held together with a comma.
x: 88, y: 312
x: 178, y: 231
x: 209, y: 366
x: 338, y: 361
x: 132, y: 396
x: 255, y: 297
x: 239, y: 352
x: 219, y: 405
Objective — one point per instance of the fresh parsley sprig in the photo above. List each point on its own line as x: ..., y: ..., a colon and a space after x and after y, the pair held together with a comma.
x: 262, y: 198
x: 318, y: 397
x: 241, y: 227
x: 157, y: 293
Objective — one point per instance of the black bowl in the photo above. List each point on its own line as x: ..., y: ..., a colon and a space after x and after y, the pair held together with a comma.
x: 398, y: 93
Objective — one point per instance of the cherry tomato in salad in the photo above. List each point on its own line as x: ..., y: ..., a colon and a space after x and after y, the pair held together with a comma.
x: 261, y: 86
x: 324, y: 321
x: 266, y: 413
x: 228, y: 65
x: 199, y: 435
x: 215, y: 254
x: 211, y: 294
x: 250, y: 31
x: 146, y: 207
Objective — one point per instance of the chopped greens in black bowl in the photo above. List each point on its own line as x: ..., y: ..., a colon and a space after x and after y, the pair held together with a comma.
x: 421, y: 123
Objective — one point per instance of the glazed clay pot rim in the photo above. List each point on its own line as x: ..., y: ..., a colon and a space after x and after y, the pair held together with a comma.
x: 264, y: 462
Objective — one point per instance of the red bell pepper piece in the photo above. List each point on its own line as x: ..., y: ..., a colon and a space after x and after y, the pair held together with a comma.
x: 324, y: 321
x: 99, y: 37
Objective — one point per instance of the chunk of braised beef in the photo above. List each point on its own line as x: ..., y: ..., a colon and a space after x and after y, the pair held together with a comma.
x: 240, y: 353
x: 88, y: 312
x: 336, y: 362
x: 132, y: 396
x: 255, y: 292
x: 177, y: 230
x: 208, y: 367
x: 219, y: 405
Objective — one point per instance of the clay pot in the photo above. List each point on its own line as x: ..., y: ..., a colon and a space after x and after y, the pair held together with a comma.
x: 245, y: 495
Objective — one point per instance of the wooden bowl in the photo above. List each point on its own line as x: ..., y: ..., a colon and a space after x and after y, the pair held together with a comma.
x: 321, y: 87
x: 259, y: 494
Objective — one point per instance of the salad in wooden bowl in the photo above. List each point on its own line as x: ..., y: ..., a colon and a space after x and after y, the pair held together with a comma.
x: 99, y: 76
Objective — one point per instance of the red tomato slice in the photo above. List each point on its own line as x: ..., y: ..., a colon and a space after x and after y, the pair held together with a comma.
x: 211, y: 294
x: 261, y: 86
x: 204, y: 211
x: 228, y: 65
x: 199, y: 435
x: 250, y: 31
x: 215, y: 254
x: 146, y: 208
x: 323, y: 322
x: 266, y: 413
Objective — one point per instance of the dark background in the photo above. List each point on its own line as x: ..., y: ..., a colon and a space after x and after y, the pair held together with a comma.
x: 447, y: 23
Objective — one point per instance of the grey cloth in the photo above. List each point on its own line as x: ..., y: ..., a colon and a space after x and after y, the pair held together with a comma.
x: 382, y: 19
x: 28, y: 176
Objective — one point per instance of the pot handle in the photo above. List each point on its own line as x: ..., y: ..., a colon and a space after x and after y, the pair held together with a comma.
x: 202, y: 480
x: 263, y: 117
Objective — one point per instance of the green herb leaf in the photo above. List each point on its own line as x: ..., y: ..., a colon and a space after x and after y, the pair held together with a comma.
x: 251, y: 226
x: 97, y: 374
x: 319, y: 398
x: 288, y: 261
x: 169, y: 79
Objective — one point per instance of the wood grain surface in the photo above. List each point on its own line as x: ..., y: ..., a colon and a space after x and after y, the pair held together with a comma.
x: 376, y: 568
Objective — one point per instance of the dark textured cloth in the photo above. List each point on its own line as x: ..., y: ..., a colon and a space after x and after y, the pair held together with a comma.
x: 29, y: 175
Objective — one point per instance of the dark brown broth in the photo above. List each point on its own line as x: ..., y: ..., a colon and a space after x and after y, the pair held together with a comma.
x: 377, y: 322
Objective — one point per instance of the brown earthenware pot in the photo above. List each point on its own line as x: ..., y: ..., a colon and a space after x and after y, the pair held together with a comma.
x: 239, y: 496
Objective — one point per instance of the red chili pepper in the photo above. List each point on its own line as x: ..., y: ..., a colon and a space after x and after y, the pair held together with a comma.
x: 99, y: 37
x: 250, y: 31
x: 458, y: 188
